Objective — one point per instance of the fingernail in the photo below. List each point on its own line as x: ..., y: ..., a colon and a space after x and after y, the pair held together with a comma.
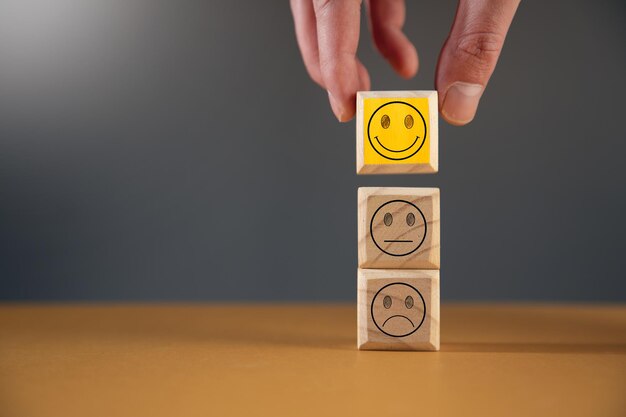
x: 338, y: 109
x: 461, y: 101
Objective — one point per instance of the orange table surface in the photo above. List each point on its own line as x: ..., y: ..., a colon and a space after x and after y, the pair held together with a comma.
x: 301, y: 360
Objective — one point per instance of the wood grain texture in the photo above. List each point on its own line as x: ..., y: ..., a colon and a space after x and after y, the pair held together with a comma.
x: 398, y: 309
x: 198, y: 360
x: 428, y: 167
x: 399, y: 228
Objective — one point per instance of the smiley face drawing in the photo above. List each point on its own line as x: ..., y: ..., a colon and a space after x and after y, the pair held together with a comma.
x: 396, y: 130
x: 398, y: 228
x: 398, y: 309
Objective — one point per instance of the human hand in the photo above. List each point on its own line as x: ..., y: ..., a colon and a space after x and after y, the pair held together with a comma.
x: 328, y: 36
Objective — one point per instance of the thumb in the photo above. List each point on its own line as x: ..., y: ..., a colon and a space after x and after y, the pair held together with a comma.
x: 470, y: 54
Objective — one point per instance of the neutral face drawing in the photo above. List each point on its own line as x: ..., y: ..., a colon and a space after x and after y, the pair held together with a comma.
x: 396, y: 130
x: 398, y: 309
x: 398, y: 228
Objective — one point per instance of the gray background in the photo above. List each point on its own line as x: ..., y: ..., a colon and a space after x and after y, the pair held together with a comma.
x: 176, y: 150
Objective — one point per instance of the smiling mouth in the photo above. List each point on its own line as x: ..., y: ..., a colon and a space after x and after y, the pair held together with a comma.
x: 398, y: 241
x: 402, y: 150
x: 399, y: 315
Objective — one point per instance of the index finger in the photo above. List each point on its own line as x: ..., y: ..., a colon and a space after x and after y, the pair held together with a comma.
x: 338, y: 25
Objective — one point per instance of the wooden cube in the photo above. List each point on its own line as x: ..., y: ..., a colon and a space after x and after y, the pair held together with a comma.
x: 398, y: 309
x: 397, y: 132
x: 398, y: 228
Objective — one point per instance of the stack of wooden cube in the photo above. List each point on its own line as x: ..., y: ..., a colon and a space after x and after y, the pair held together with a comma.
x: 398, y: 228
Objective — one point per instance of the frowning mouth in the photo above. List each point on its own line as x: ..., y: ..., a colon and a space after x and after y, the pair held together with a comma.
x: 402, y: 150
x: 397, y: 241
x: 399, y: 315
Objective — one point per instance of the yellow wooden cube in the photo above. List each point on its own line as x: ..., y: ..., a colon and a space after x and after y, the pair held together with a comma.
x: 397, y: 132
